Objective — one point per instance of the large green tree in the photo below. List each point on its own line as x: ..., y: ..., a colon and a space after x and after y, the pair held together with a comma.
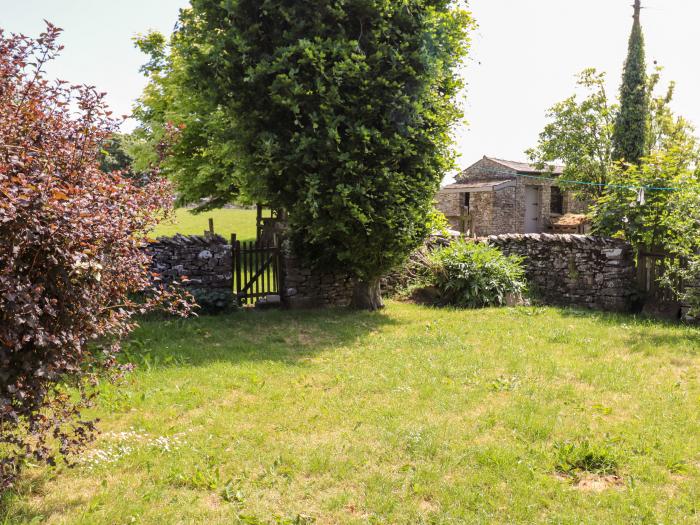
x: 338, y: 111
x: 630, y: 136
x: 204, y: 162
x: 580, y: 134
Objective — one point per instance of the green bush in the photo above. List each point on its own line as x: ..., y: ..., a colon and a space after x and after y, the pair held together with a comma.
x: 213, y: 302
x: 476, y: 275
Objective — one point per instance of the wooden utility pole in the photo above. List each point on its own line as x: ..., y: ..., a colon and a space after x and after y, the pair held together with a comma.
x: 637, y: 9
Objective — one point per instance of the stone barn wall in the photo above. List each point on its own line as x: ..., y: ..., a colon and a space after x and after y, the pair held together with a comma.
x: 575, y: 270
x: 450, y: 204
x: 207, y: 262
x: 504, y: 215
x: 573, y: 205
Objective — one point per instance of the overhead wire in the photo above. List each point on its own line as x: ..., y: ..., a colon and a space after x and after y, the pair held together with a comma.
x: 598, y: 184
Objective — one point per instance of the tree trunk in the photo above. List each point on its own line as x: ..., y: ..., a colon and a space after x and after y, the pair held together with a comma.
x: 367, y: 295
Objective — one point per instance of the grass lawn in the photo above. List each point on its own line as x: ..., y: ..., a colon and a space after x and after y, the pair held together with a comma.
x: 413, y: 415
x: 226, y: 222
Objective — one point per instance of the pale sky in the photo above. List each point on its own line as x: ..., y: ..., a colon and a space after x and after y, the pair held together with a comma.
x: 524, y: 57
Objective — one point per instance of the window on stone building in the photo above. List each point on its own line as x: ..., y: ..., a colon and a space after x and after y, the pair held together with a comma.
x: 557, y: 201
x: 467, y: 199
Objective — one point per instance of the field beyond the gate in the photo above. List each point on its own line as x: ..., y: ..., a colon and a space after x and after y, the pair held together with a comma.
x: 226, y: 221
x: 412, y: 415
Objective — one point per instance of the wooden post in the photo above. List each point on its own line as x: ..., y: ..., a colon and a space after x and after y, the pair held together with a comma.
x: 259, y: 221
x: 233, y: 261
x: 236, y: 246
x: 211, y: 226
x: 279, y: 270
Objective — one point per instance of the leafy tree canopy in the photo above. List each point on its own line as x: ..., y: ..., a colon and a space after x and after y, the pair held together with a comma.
x: 581, y: 133
x: 684, y: 217
x: 640, y: 204
x: 657, y: 206
x: 203, y: 163
x: 338, y: 111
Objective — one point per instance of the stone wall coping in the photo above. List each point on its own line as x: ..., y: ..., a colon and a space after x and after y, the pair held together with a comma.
x: 187, y: 240
x: 561, y: 238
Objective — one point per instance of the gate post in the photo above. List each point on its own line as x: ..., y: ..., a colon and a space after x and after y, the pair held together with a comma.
x: 236, y: 250
x: 279, y: 268
x: 259, y: 222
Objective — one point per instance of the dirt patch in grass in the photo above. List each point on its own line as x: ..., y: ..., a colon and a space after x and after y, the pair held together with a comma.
x: 588, y: 482
x: 595, y: 483
x: 428, y: 506
x: 212, y: 501
x: 356, y: 511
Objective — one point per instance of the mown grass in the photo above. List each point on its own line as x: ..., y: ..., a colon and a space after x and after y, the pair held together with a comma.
x: 413, y: 415
x: 226, y: 222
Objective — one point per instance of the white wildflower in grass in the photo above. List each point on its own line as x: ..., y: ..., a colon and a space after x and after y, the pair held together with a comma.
x: 105, y: 456
x: 167, y: 444
x: 129, y: 436
x: 118, y: 445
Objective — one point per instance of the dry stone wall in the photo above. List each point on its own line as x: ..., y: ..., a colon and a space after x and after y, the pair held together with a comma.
x: 304, y: 287
x: 568, y: 270
x: 686, y: 314
x: 207, y: 262
x: 576, y: 270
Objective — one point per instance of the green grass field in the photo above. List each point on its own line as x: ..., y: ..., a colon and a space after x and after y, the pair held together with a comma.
x: 226, y: 222
x: 413, y: 415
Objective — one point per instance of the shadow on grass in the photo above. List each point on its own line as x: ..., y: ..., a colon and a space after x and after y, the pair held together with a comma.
x: 286, y: 337
x: 645, y: 332
x: 11, y: 514
x: 249, y: 335
x: 687, y: 341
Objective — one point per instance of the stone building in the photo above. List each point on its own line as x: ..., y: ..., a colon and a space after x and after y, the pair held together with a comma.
x: 495, y: 197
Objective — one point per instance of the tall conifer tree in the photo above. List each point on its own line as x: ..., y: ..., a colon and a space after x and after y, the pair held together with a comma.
x: 630, y: 137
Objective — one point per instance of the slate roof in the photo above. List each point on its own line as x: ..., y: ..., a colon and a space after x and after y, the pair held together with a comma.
x: 524, y: 167
x: 479, y: 186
